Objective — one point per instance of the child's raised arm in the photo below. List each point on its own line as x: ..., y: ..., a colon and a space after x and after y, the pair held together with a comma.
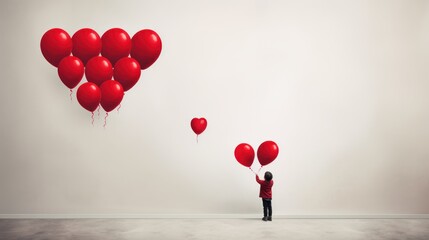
x: 258, y: 180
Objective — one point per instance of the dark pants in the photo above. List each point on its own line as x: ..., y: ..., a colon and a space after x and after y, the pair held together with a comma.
x: 268, y: 211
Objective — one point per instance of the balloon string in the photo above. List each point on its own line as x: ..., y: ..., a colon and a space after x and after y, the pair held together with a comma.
x: 105, y: 119
x: 92, y: 118
x: 98, y: 111
x: 252, y: 170
x: 197, y: 138
x: 260, y: 169
x: 71, y: 92
x: 119, y: 107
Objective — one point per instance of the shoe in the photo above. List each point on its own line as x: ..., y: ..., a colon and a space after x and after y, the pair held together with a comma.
x: 269, y: 219
x: 264, y: 219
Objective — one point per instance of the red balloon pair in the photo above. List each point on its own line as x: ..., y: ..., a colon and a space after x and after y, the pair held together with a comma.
x: 109, y: 95
x: 108, y: 75
x: 267, y: 152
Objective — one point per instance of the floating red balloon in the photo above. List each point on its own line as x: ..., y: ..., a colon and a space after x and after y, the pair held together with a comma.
x: 89, y: 96
x: 111, y: 95
x: 70, y: 71
x: 267, y: 152
x: 198, y: 125
x: 116, y: 44
x: 86, y: 44
x: 244, y: 154
x: 146, y: 47
x: 98, y: 69
x: 55, y: 45
x: 127, y: 72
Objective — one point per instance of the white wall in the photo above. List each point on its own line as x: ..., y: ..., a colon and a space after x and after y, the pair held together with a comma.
x: 341, y: 86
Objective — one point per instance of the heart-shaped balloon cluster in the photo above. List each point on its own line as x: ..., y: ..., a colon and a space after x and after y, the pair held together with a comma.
x: 111, y: 63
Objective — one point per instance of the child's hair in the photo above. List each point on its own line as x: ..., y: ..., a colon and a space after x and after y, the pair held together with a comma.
x: 268, y: 176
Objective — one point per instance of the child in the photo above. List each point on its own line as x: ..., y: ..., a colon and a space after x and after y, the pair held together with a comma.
x: 266, y: 195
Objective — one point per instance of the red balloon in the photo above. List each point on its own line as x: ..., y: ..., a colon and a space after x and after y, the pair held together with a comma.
x: 146, y: 48
x: 98, y: 69
x: 111, y: 95
x: 86, y: 44
x: 244, y: 154
x: 116, y: 44
x: 89, y: 96
x: 127, y: 72
x: 71, y: 71
x: 267, y: 152
x: 55, y: 45
x: 198, y: 125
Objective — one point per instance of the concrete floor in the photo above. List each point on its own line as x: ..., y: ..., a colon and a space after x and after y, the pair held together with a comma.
x: 249, y: 229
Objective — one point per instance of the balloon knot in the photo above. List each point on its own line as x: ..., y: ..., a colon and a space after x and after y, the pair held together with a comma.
x: 105, y: 119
